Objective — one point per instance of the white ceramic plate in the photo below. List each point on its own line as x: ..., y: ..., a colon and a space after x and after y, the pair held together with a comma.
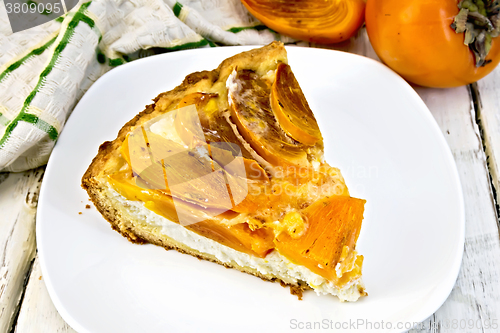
x: 377, y: 131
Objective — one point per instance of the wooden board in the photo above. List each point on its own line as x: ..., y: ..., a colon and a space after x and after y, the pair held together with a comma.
x: 474, y: 298
x: 18, y: 201
x: 38, y: 314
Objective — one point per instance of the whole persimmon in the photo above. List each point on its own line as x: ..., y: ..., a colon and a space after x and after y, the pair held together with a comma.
x: 436, y: 43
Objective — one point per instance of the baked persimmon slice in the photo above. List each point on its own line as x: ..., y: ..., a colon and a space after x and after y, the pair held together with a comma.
x: 291, y: 108
x: 196, y: 218
x: 332, y: 223
x: 197, y: 122
x: 251, y: 112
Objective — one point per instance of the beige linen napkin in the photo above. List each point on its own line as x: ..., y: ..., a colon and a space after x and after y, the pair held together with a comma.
x: 45, y: 70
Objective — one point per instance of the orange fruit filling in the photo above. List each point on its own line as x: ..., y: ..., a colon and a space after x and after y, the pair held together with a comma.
x: 333, y: 222
x: 303, y: 212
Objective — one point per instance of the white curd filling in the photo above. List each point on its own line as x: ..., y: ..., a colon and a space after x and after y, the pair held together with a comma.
x: 273, y: 264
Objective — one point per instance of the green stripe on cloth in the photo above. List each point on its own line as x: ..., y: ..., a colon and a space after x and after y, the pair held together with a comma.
x: 40, y: 124
x: 101, y: 58
x: 238, y: 29
x: 177, y: 9
x: 160, y: 50
x: 23, y: 116
x: 18, y: 63
x: 115, y: 62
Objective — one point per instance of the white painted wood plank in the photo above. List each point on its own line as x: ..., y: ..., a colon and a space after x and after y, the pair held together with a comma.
x: 18, y: 200
x: 489, y: 122
x: 475, y: 298
x: 38, y: 313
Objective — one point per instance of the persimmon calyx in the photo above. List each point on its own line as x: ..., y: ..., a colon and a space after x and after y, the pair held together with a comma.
x: 480, y: 21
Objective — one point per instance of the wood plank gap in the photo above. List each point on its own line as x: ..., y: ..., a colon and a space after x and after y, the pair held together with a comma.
x: 493, y: 177
x: 21, y: 298
x: 38, y: 313
x: 4, y: 176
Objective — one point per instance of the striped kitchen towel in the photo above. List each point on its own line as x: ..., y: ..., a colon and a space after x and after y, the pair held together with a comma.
x: 45, y: 70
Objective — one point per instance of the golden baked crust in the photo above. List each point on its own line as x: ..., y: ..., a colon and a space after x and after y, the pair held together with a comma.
x: 108, y: 159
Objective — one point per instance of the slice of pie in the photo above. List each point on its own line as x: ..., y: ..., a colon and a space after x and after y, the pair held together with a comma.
x: 229, y: 167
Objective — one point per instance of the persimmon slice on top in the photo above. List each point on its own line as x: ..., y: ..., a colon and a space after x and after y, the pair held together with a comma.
x: 291, y: 108
x: 251, y: 111
x: 204, y: 125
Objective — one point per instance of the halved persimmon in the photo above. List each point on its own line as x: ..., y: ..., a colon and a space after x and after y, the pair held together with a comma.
x: 325, y: 21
